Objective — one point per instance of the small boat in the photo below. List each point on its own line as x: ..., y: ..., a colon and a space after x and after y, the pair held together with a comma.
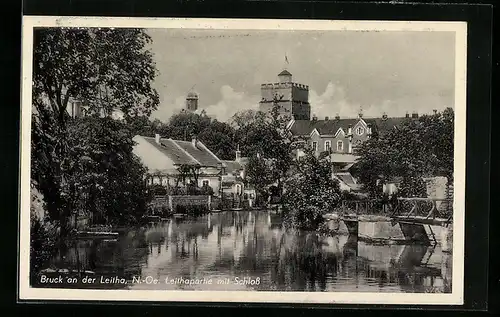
x: 179, y: 216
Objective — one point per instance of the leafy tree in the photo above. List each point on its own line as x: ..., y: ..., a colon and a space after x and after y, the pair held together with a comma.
x: 310, y: 192
x: 105, y: 179
x: 415, y: 149
x: 217, y: 136
x: 103, y: 68
x: 266, y: 135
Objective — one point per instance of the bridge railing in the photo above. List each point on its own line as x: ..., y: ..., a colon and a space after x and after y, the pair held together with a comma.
x: 363, y: 207
x: 427, y: 208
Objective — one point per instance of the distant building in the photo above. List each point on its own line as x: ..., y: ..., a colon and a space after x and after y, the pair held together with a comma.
x: 162, y: 158
x: 342, y: 135
x: 192, y: 101
x: 234, y: 179
x: 293, y: 97
x: 341, y: 138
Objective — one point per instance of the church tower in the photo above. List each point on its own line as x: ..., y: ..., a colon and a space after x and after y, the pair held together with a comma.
x: 293, y: 97
x: 192, y: 101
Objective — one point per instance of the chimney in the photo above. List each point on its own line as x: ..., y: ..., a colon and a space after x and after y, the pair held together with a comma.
x: 407, y: 114
x: 194, y: 141
x: 314, y: 117
x: 337, y: 117
x: 238, y: 154
x: 414, y: 115
x: 326, y: 118
x: 157, y: 138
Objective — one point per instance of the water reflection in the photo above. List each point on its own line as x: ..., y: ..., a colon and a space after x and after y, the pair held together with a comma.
x: 254, y: 245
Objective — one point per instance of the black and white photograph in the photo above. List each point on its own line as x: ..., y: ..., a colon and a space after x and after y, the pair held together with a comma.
x: 239, y: 160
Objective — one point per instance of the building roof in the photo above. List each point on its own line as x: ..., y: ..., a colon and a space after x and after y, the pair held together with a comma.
x: 331, y: 126
x: 192, y: 94
x: 385, y: 125
x: 232, y: 166
x: 348, y: 180
x: 184, y: 152
x: 200, y: 152
x: 285, y: 73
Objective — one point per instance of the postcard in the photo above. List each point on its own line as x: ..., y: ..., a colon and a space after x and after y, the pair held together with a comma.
x: 242, y: 160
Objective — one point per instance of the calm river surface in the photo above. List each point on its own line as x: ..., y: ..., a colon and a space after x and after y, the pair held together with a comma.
x: 253, y: 245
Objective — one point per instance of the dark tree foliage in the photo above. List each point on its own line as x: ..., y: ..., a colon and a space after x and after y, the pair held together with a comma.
x: 105, y: 178
x: 310, y: 192
x: 415, y: 149
x: 265, y: 138
x: 105, y: 69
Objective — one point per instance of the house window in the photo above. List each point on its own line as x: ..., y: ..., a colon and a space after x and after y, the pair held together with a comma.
x: 238, y: 189
x: 315, y: 146
x: 340, y: 146
x: 205, y: 182
x: 328, y: 146
x: 360, y: 130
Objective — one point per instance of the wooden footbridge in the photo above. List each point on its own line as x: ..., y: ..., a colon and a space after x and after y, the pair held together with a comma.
x: 430, y: 211
x: 410, y: 213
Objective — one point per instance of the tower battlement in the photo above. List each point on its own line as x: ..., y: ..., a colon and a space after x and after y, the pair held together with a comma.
x: 293, y: 97
x: 283, y: 85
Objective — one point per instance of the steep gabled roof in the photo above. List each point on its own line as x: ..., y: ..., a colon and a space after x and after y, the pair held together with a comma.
x: 172, y: 151
x: 330, y: 127
x: 184, y: 152
x: 284, y: 73
x: 324, y: 127
x: 200, y: 153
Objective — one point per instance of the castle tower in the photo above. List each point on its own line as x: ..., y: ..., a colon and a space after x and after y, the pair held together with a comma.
x: 293, y: 97
x: 192, y: 101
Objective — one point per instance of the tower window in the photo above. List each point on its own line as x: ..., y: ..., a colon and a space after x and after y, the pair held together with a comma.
x: 360, y: 130
x: 340, y: 146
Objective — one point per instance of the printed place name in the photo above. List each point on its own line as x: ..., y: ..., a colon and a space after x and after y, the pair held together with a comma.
x: 253, y: 281
x: 82, y: 280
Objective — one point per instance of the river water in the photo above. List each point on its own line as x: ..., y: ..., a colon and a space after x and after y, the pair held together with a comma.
x: 249, y: 250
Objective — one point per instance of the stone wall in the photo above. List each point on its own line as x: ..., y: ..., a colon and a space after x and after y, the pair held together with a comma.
x: 184, y: 200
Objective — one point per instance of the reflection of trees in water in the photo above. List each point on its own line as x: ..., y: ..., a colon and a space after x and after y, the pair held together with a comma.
x: 254, y: 244
x: 123, y: 257
x: 409, y: 270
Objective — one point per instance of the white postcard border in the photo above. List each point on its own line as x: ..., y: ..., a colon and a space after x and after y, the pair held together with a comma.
x: 455, y: 297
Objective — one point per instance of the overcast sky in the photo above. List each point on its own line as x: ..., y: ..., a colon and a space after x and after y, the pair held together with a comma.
x: 392, y: 72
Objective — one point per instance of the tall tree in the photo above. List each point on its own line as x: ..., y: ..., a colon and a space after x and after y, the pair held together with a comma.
x: 310, y: 192
x: 266, y: 135
x: 105, y: 179
x: 415, y: 149
x: 105, y: 69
